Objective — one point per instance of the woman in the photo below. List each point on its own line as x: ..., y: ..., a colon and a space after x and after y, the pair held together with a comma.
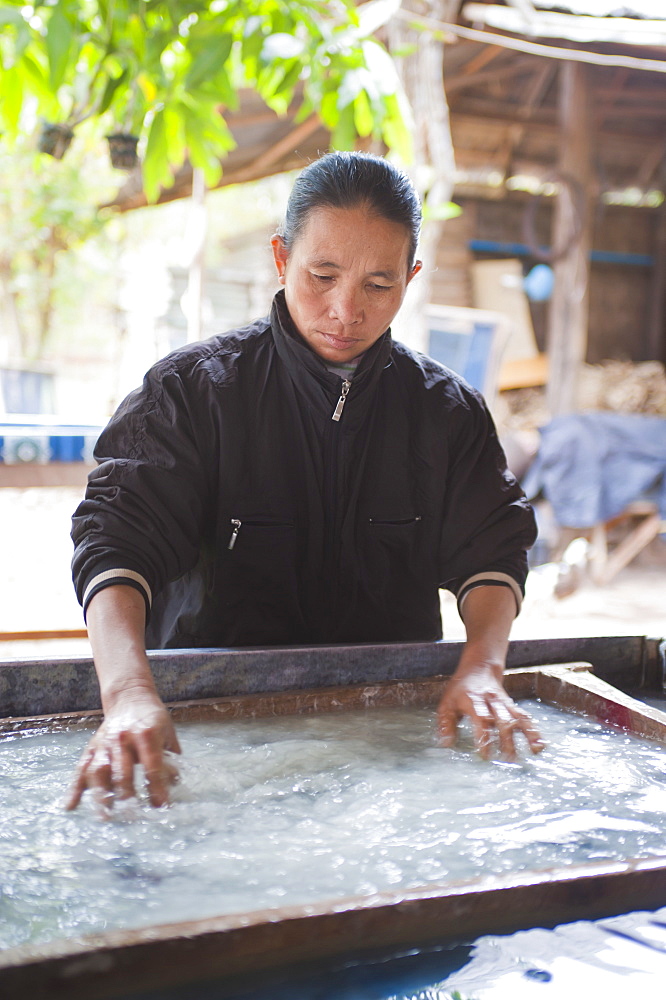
x: 301, y: 480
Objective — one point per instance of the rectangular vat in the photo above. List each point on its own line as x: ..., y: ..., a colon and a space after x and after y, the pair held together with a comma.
x: 119, y: 963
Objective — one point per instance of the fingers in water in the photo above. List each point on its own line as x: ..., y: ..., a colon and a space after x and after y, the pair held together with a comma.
x: 100, y: 782
x: 122, y: 767
x: 534, y: 738
x: 156, y: 769
x: 495, y: 720
x: 80, y: 782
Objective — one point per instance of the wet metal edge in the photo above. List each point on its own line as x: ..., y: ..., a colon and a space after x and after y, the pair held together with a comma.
x: 121, y: 963
x: 68, y: 684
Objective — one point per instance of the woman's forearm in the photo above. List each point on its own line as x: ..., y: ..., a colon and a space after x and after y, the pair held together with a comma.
x: 116, y: 620
x: 488, y: 614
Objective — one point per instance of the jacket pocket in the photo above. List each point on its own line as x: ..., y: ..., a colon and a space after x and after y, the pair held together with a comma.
x: 391, y: 544
x: 383, y: 522
x: 258, y: 528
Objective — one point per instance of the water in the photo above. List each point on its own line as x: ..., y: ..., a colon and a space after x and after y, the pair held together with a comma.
x: 285, y: 811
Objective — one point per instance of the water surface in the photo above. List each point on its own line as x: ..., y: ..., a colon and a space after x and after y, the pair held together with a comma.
x: 285, y: 811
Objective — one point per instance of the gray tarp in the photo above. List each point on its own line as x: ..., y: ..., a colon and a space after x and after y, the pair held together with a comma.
x: 591, y: 465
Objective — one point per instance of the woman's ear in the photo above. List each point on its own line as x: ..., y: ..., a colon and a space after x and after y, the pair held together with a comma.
x: 280, y: 256
x: 418, y: 264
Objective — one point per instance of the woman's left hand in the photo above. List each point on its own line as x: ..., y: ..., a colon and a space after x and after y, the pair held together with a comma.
x: 479, y: 694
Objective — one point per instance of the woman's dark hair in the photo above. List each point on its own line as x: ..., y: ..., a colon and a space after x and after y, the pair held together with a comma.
x: 350, y: 180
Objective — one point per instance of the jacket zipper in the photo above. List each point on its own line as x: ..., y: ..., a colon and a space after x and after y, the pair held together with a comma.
x: 234, y: 534
x: 332, y: 502
x: 337, y: 412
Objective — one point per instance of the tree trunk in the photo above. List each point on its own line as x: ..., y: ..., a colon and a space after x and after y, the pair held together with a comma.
x: 572, y: 235
x: 422, y: 77
x: 45, y: 309
x: 11, y: 341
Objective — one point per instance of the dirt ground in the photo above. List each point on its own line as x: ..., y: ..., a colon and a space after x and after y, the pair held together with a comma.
x: 36, y: 591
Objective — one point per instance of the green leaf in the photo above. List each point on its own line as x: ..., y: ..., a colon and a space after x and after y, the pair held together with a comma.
x: 174, y: 133
x: 395, y: 130
x: 136, y: 34
x: 329, y: 110
x: 344, y: 133
x: 11, y: 100
x: 352, y: 84
x: 221, y: 90
x: 36, y: 79
x: 112, y: 85
x: 59, y: 37
x: 22, y: 40
x: 381, y: 68
x: 253, y: 39
x: 290, y: 78
x: 201, y: 155
x: 11, y: 15
x: 208, y: 62
x: 156, y: 170
x: 364, y: 120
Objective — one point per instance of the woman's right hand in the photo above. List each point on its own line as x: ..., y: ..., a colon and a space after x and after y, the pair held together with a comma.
x: 138, y: 730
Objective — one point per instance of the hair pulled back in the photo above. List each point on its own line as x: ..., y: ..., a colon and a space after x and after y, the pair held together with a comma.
x: 350, y: 180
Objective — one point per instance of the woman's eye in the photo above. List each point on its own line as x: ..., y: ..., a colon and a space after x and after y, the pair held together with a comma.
x: 323, y: 277
x: 380, y: 288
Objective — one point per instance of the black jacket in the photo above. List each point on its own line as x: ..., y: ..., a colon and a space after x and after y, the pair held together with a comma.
x: 227, y: 493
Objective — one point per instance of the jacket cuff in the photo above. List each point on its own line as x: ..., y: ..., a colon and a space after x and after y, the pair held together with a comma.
x: 489, y: 579
x: 113, y: 577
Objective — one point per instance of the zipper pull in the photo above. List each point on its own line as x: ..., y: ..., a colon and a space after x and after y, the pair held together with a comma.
x: 234, y: 534
x: 337, y: 412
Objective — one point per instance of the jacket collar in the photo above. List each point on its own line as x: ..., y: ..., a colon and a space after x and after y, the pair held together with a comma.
x: 309, y: 371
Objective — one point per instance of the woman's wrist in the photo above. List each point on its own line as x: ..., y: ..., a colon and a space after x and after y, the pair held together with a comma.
x: 473, y: 661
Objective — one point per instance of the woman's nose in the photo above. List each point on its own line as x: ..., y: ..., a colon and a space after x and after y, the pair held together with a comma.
x: 346, y: 306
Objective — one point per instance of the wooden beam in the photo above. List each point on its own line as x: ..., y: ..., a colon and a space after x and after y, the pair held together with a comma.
x: 285, y: 145
x: 533, y: 96
x: 537, y: 90
x: 475, y: 112
x: 629, y: 548
x: 650, y: 97
x: 535, y: 48
x: 526, y: 10
x: 573, y: 27
x: 481, y: 59
x: 465, y: 81
x: 567, y: 332
x: 655, y: 347
x: 61, y: 633
x: 610, y: 95
x: 648, y: 167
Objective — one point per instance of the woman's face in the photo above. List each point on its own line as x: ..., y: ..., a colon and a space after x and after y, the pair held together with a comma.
x: 345, y: 278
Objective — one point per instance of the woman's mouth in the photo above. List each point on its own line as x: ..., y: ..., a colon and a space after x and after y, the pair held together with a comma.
x: 337, y: 342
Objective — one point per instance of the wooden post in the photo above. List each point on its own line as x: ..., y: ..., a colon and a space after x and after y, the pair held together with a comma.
x: 422, y: 74
x: 655, y: 347
x: 567, y: 334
